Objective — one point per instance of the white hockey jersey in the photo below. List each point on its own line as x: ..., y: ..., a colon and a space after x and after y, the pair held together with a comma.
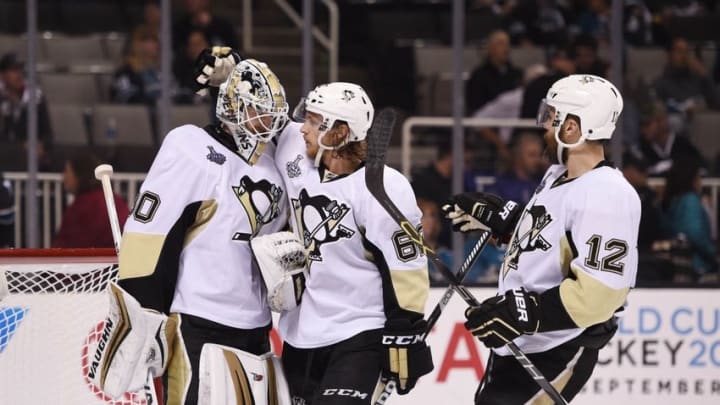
x: 185, y: 246
x: 579, y: 234
x: 357, y: 253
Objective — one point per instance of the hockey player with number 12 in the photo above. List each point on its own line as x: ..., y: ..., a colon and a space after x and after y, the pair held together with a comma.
x: 571, y: 259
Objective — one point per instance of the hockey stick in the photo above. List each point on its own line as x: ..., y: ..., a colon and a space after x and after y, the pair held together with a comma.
x: 378, y: 141
x: 103, y: 173
x: 437, y: 311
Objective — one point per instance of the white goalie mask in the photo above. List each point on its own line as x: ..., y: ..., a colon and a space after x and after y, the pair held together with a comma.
x: 594, y: 100
x: 338, y: 101
x: 251, y: 103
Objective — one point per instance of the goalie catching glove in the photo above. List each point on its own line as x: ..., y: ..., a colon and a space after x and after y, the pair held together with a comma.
x: 406, y: 355
x: 281, y: 258
x: 134, y: 342
x: 213, y: 66
x: 501, y: 319
x: 483, y: 211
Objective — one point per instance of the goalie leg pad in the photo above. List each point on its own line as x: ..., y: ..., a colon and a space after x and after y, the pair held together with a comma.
x: 135, y: 342
x: 282, y: 260
x: 230, y: 376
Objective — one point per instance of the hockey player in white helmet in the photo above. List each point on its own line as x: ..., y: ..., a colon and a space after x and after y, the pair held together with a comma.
x: 186, y: 246
x: 362, y: 310
x: 572, y: 253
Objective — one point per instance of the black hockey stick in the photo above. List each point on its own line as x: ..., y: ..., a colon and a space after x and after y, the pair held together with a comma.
x: 378, y: 141
x: 437, y: 311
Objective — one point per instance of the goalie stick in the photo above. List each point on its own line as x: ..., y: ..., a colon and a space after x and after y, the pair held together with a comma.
x: 378, y: 141
x: 103, y: 173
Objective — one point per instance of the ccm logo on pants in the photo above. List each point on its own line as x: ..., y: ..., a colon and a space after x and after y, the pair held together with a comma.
x: 343, y: 392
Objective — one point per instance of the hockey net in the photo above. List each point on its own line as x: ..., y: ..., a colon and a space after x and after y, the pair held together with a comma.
x: 50, y: 324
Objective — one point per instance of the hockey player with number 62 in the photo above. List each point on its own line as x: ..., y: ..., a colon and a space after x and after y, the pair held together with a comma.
x: 572, y: 253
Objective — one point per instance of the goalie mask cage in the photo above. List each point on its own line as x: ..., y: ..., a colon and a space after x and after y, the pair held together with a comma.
x: 50, y: 324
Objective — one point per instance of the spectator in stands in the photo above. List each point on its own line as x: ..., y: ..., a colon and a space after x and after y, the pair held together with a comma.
x: 659, y: 145
x: 507, y: 105
x: 217, y: 30
x: 14, y: 100
x: 431, y: 228
x: 595, y: 21
x: 638, y: 23
x: 183, y: 67
x: 560, y: 65
x: 686, y: 217
x: 85, y: 222
x: 585, y: 56
x: 685, y: 86
x: 496, y: 75
x: 151, y: 18
x: 7, y: 215
x: 520, y: 182
x: 635, y: 170
x: 434, y: 183
x: 137, y: 81
x: 652, y: 265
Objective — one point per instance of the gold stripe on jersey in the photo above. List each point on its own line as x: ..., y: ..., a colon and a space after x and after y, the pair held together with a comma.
x: 411, y: 288
x: 207, y: 210
x: 178, y: 370
x: 139, y: 254
x: 589, y: 301
x: 566, y: 255
x: 272, y: 383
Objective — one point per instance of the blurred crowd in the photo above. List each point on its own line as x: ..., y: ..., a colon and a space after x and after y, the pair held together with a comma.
x: 677, y: 241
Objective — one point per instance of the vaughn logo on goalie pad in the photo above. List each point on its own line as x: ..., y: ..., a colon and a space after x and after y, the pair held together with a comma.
x: 101, y: 347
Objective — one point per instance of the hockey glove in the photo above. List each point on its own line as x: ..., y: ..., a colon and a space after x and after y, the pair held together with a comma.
x: 282, y: 259
x: 501, y: 319
x: 406, y: 357
x: 482, y: 211
x: 213, y: 66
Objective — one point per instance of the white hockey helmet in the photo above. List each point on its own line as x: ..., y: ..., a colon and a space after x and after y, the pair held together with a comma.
x: 594, y: 100
x: 338, y: 101
x: 252, y: 84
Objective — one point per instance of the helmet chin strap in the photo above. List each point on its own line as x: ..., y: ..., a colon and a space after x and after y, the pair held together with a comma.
x: 322, y: 147
x: 561, y: 146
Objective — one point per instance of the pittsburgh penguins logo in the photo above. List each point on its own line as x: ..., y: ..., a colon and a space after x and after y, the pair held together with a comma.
x: 254, y: 196
x: 255, y: 84
x: 527, y: 236
x: 318, y: 221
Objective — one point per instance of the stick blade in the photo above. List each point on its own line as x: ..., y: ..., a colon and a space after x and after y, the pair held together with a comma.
x: 379, y: 137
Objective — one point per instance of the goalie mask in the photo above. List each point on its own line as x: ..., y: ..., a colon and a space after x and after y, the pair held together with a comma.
x: 594, y: 100
x: 251, y: 103
x: 338, y: 101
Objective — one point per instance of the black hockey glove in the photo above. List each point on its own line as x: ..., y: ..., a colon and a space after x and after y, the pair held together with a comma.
x: 405, y: 356
x: 213, y: 66
x: 483, y: 211
x: 501, y: 319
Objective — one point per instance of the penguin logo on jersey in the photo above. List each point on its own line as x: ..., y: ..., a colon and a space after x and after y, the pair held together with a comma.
x: 318, y: 221
x: 253, y: 195
x: 527, y: 236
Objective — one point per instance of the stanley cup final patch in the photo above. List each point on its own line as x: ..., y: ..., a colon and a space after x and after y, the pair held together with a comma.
x: 293, y: 167
x: 215, y: 157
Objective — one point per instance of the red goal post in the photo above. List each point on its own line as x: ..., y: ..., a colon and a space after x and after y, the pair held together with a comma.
x: 50, y: 324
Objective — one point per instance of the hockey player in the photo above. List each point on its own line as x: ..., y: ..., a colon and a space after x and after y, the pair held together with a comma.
x: 571, y: 259
x: 185, y: 250
x: 361, y: 313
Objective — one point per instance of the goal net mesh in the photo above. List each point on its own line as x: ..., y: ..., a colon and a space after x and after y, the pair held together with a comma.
x: 50, y: 324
